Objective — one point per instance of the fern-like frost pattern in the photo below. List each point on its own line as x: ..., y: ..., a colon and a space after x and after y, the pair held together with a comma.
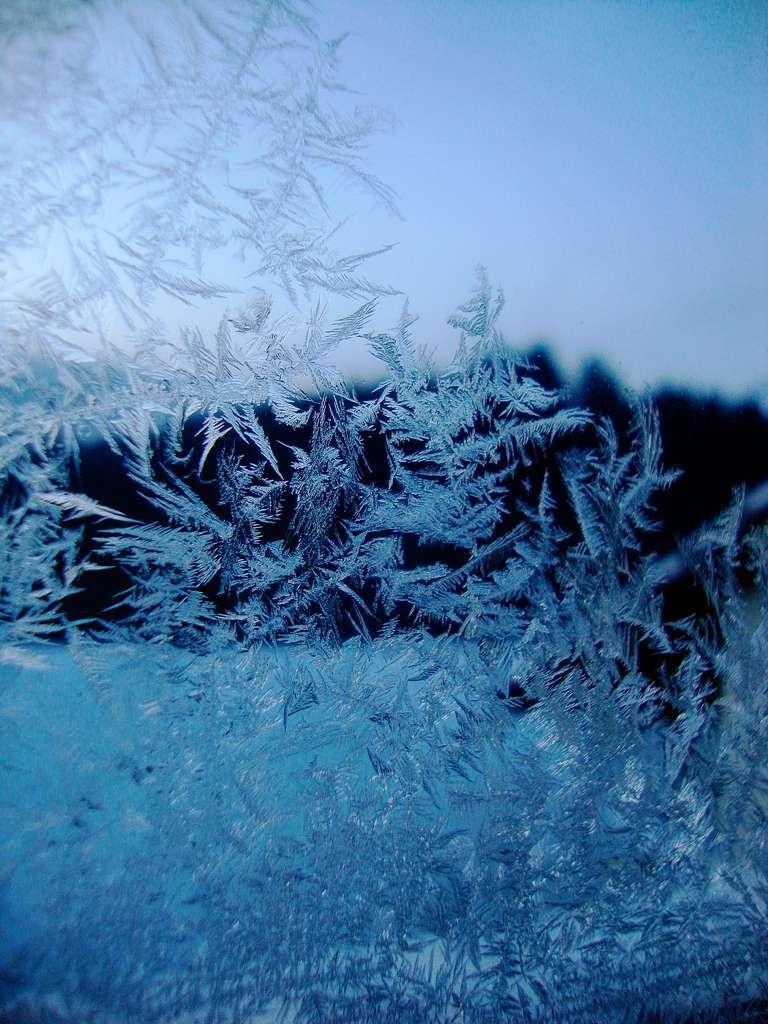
x: 385, y: 720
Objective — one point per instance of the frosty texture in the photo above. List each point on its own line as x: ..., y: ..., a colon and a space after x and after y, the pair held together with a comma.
x: 388, y: 723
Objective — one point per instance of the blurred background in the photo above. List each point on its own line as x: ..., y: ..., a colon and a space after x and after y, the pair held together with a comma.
x: 606, y: 162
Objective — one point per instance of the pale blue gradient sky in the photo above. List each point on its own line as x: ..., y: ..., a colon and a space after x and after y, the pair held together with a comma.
x: 607, y: 162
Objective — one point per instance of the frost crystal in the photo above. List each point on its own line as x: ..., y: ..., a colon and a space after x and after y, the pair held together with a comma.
x: 382, y: 718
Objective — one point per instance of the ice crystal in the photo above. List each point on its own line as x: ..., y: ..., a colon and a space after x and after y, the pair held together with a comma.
x: 387, y: 721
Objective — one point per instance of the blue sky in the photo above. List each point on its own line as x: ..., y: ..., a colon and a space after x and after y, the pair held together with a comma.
x: 607, y: 162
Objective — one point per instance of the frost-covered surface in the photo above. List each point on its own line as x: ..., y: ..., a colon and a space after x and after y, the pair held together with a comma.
x: 179, y: 833
x: 387, y: 722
